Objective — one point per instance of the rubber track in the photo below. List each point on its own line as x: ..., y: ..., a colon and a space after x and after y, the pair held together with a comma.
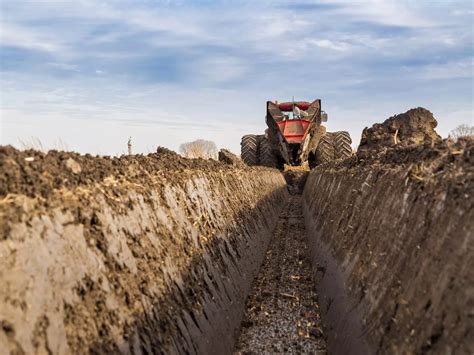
x: 325, y: 151
x: 342, y: 144
x: 249, y: 149
x: 267, y: 158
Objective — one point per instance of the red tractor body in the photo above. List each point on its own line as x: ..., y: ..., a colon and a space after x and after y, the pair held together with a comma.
x: 295, y: 130
x: 295, y: 135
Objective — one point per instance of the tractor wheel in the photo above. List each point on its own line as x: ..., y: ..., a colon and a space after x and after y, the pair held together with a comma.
x: 325, y: 150
x: 342, y: 145
x: 267, y: 158
x: 249, y: 149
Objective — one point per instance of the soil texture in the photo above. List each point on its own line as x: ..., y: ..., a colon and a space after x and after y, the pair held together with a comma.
x: 416, y: 126
x: 157, y: 253
x: 392, y: 234
x: 137, y: 254
x: 282, y: 313
x: 33, y: 173
x: 227, y: 157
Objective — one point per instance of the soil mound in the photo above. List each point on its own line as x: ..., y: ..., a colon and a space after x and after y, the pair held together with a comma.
x: 416, y: 126
x: 227, y: 157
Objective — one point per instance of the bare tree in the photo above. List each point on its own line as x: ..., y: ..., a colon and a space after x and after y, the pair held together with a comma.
x: 463, y: 130
x: 199, y: 149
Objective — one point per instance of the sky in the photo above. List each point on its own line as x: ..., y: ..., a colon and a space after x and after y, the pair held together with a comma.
x: 86, y: 75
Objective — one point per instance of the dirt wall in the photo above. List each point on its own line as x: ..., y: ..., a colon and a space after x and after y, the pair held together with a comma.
x: 133, y: 255
x: 392, y: 243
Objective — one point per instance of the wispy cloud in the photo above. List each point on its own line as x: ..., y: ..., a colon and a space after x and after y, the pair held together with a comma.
x: 12, y: 35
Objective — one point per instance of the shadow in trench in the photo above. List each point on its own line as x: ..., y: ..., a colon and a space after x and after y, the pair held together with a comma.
x: 203, y: 312
x: 296, y: 180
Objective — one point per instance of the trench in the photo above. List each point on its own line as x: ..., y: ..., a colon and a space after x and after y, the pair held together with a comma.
x: 282, y: 311
x: 372, y: 257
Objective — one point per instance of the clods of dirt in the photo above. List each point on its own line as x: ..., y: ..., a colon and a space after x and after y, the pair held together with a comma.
x: 295, y: 180
x: 35, y: 173
x: 416, y: 126
x: 227, y: 157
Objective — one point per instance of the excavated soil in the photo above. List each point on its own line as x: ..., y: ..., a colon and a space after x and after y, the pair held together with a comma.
x: 414, y: 127
x: 33, y: 173
x: 157, y: 253
x: 282, y: 313
x: 392, y: 237
x: 138, y: 254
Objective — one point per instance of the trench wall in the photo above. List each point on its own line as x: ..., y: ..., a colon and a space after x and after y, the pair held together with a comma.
x: 157, y: 263
x: 392, y: 245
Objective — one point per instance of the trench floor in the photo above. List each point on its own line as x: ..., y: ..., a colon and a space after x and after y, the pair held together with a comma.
x: 282, y: 312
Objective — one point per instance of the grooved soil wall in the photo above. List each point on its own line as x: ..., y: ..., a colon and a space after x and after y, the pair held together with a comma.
x: 392, y: 244
x: 133, y: 254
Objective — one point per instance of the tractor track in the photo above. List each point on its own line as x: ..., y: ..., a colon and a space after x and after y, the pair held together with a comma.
x: 282, y: 313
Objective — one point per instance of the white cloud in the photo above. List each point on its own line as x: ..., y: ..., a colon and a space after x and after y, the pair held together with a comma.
x: 28, y: 38
x: 325, y: 43
x: 450, y: 70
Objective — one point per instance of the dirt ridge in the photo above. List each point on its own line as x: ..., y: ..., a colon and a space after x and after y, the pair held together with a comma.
x: 142, y: 255
x: 395, y: 229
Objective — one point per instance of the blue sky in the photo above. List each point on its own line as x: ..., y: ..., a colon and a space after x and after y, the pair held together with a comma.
x: 90, y: 74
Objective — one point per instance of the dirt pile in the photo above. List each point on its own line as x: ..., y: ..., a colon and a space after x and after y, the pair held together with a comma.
x: 416, y: 126
x: 391, y: 239
x: 137, y: 254
x: 227, y: 157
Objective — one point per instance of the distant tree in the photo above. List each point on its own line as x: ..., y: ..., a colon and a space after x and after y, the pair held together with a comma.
x: 463, y: 130
x: 199, y: 149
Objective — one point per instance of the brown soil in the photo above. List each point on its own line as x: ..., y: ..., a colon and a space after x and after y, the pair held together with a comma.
x: 392, y: 234
x: 282, y: 313
x: 227, y: 157
x: 416, y: 126
x: 150, y: 254
x: 295, y: 180
x: 156, y: 253
x: 34, y: 173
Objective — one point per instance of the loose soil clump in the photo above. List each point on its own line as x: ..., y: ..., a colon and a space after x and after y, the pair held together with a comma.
x: 414, y: 127
x: 227, y: 157
x: 35, y: 173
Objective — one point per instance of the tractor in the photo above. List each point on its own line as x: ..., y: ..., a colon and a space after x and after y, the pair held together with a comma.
x: 295, y: 135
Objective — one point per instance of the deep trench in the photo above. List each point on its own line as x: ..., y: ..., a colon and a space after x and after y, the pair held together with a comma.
x: 282, y: 312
